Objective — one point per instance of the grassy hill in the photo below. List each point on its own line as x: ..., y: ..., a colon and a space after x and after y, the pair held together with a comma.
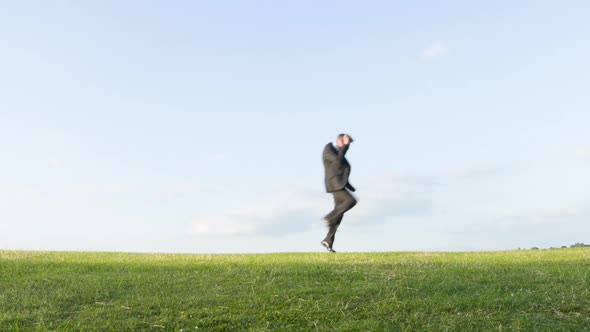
x: 519, y: 290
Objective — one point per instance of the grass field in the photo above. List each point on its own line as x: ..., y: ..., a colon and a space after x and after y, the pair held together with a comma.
x: 544, y: 290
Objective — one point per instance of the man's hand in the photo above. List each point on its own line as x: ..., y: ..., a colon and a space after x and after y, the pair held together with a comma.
x: 346, y: 140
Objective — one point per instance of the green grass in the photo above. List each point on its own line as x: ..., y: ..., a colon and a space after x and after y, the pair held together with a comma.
x: 545, y: 290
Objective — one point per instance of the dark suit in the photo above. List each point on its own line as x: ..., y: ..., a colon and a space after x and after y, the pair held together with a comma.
x: 337, y: 171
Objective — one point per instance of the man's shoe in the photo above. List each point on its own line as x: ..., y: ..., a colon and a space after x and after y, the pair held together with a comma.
x: 327, y: 246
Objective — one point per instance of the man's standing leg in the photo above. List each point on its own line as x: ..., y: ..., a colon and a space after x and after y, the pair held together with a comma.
x: 343, y: 201
x: 332, y: 228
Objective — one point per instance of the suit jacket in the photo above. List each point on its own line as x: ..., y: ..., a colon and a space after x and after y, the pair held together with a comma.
x: 337, y: 168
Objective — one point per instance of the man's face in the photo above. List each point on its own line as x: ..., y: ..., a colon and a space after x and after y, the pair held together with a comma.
x: 340, y: 142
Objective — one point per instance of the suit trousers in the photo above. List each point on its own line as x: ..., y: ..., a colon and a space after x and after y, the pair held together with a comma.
x: 343, y: 201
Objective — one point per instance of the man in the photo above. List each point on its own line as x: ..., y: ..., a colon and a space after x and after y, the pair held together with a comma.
x: 337, y: 171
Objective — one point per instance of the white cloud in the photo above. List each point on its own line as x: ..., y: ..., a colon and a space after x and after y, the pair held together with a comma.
x: 435, y: 50
x: 286, y: 213
x: 301, y: 210
x: 583, y: 152
x: 219, y: 157
x: 380, y: 200
x: 55, y: 163
x: 542, y: 227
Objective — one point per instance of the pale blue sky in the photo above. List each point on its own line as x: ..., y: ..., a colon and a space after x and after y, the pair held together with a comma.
x: 198, y: 126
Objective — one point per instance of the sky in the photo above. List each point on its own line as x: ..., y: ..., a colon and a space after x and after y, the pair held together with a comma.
x: 198, y: 126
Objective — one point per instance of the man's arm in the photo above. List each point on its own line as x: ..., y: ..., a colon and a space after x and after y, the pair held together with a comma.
x: 331, y: 156
x: 350, y: 187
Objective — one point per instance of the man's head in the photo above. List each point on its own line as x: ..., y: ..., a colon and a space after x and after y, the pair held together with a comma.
x: 343, y: 139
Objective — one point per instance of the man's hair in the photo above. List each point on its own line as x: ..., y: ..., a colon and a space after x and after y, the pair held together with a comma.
x: 342, y: 135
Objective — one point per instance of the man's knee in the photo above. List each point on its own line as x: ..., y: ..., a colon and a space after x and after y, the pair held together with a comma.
x: 351, y: 202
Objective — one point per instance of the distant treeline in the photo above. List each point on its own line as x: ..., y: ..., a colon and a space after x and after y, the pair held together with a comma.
x: 577, y: 245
